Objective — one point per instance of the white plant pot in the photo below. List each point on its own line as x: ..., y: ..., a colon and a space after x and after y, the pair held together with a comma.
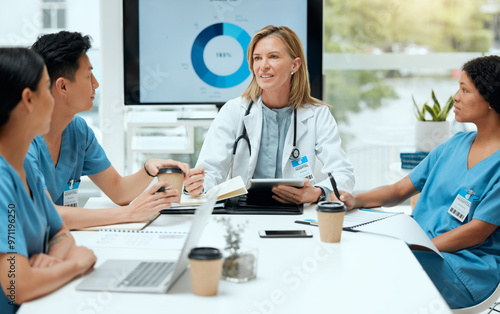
x: 429, y: 134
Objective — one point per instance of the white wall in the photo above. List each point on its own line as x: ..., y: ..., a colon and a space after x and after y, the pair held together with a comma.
x: 112, y: 102
x: 83, y: 17
x: 20, y: 22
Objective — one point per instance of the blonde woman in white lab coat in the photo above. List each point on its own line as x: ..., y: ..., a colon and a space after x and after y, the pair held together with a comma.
x: 253, y: 135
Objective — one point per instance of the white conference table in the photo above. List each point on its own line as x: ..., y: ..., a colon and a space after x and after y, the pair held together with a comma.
x: 364, y: 273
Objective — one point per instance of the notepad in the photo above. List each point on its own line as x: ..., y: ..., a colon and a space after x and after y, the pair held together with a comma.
x: 230, y: 188
x: 358, y: 217
x: 396, y: 225
x: 168, y: 233
x: 142, y: 239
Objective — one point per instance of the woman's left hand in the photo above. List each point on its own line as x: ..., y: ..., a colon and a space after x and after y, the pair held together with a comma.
x: 291, y: 195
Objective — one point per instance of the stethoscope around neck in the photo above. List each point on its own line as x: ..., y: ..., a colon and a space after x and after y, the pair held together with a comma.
x: 244, y: 135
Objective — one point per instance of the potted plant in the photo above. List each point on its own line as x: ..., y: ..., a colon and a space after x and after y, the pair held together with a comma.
x: 240, y: 264
x: 429, y: 133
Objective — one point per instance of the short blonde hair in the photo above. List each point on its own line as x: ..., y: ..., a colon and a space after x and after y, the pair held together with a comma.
x: 300, y: 90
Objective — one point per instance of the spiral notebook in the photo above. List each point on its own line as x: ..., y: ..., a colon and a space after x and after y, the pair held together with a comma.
x: 168, y: 233
x: 359, y: 217
x: 396, y: 225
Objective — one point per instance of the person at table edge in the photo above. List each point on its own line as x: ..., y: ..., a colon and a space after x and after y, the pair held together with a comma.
x: 38, y: 254
x: 459, y: 185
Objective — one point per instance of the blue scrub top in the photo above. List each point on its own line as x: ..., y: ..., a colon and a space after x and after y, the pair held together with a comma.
x: 80, y: 155
x: 29, y: 222
x: 440, y: 177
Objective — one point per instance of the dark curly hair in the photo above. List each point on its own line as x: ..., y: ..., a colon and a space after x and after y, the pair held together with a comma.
x: 484, y: 72
x: 20, y: 68
x: 61, y: 52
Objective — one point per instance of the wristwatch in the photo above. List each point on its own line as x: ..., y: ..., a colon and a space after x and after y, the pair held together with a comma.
x: 322, y: 197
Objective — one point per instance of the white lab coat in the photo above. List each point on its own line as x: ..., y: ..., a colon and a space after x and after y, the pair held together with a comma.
x: 317, y: 136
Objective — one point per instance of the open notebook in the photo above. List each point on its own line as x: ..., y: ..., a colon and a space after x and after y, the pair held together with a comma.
x: 167, y: 233
x: 396, y: 225
x: 230, y: 188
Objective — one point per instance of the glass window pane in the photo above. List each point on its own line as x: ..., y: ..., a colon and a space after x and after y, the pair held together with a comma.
x: 410, y: 26
x: 61, y: 18
x: 46, y: 18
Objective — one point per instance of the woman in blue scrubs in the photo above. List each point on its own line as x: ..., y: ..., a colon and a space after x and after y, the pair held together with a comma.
x: 37, y: 253
x: 459, y: 185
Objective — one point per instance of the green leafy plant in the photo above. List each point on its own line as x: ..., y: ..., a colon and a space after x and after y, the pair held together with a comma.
x: 233, y: 234
x: 436, y: 112
x: 239, y: 265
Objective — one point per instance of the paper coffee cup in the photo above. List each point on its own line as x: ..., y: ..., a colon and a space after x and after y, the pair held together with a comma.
x: 173, y: 176
x: 330, y: 220
x: 206, y: 269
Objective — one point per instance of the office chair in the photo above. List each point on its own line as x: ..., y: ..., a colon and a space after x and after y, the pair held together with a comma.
x: 490, y: 303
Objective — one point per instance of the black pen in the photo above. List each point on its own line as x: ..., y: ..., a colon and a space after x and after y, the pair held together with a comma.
x: 334, y: 185
x: 46, y: 242
x: 307, y: 222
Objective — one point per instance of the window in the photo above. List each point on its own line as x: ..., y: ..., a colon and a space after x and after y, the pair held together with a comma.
x: 380, y: 53
x: 53, y: 14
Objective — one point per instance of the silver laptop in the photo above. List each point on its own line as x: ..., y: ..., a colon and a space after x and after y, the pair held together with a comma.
x: 156, y: 276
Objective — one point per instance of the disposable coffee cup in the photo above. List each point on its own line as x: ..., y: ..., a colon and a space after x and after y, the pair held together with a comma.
x: 173, y: 176
x: 330, y: 220
x: 206, y: 269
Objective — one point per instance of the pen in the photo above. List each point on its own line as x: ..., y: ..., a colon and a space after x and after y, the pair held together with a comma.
x: 164, y: 188
x: 46, y: 242
x: 307, y: 222
x: 334, y: 185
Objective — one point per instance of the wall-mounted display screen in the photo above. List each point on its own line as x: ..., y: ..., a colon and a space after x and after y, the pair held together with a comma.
x: 194, y: 52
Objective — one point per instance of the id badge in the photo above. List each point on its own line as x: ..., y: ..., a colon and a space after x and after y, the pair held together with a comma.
x: 70, y: 197
x: 302, y: 169
x: 461, y: 205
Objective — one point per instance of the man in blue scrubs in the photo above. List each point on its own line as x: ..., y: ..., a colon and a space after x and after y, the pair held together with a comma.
x: 70, y: 150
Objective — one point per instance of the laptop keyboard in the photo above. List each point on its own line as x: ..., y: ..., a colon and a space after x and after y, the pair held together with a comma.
x: 147, y: 274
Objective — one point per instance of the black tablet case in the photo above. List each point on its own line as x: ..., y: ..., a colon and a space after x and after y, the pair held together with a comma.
x: 249, y: 204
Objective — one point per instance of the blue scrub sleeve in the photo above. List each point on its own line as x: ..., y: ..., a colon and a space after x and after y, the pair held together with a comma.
x: 54, y: 220
x: 487, y: 209
x: 11, y: 231
x: 34, y: 158
x: 95, y: 157
x: 42, y: 200
x: 421, y: 172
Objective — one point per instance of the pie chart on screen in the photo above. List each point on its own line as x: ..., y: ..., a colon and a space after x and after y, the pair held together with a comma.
x: 218, y: 55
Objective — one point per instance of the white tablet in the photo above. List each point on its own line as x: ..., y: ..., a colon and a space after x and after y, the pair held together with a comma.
x: 268, y: 184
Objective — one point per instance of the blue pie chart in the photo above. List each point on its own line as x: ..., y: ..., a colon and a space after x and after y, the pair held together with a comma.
x: 201, y: 69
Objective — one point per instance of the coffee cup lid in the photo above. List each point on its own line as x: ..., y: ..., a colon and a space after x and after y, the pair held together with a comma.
x: 330, y: 207
x: 205, y: 253
x: 170, y: 170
